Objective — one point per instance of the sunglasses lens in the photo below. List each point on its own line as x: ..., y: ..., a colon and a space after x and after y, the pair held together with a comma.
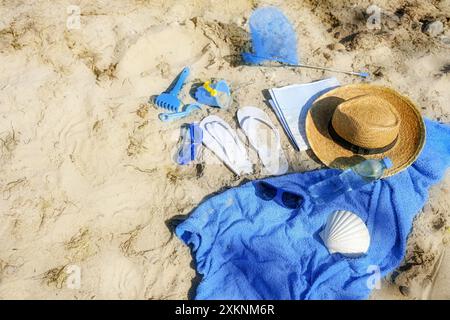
x: 290, y: 200
x: 267, y: 192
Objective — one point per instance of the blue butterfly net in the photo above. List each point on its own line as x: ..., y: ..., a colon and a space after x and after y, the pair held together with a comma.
x: 273, y: 38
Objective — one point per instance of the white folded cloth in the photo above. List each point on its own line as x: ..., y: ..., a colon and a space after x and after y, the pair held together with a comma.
x: 291, y: 104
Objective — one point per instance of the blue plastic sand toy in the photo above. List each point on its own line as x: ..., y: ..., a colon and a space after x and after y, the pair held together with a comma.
x: 192, y: 137
x: 214, y: 94
x: 169, y: 99
x: 171, y: 116
x: 273, y: 38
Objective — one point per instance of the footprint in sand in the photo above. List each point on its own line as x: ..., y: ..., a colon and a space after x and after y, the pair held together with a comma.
x: 175, y: 46
x: 118, y: 277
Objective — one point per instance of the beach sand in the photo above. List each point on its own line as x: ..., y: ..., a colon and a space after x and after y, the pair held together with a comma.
x: 89, y: 190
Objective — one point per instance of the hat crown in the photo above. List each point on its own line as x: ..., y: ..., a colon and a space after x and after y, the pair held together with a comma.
x: 368, y: 121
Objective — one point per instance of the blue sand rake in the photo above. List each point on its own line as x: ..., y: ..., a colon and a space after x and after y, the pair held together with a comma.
x: 169, y: 99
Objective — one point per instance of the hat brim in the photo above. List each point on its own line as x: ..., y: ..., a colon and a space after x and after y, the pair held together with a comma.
x: 410, y: 141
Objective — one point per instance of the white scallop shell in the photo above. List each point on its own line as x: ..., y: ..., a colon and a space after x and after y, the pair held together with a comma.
x: 346, y: 233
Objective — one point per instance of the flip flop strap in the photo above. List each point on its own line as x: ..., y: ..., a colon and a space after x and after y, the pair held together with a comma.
x: 231, y: 159
x: 270, y: 125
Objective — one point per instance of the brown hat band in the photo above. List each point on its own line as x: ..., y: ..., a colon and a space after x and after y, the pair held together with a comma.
x: 353, y: 147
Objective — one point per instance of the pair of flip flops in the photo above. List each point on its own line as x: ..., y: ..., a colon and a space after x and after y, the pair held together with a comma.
x: 262, y: 135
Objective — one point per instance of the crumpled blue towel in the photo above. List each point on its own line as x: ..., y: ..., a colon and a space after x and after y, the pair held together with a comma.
x: 250, y: 248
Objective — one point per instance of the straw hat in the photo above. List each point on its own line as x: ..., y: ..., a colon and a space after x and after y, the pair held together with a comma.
x: 363, y: 121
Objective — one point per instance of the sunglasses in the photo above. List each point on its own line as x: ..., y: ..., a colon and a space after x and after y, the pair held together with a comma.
x: 284, y: 198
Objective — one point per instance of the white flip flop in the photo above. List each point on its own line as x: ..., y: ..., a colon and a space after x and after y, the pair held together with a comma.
x: 223, y: 141
x: 268, y: 146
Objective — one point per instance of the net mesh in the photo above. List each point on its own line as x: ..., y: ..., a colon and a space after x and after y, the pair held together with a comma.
x: 273, y: 38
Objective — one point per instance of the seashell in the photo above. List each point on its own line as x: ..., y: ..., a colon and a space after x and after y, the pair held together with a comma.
x: 346, y: 233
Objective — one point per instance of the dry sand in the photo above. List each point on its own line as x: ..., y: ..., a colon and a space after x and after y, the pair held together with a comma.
x: 86, y: 173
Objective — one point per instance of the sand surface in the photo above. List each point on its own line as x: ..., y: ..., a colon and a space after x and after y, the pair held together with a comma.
x: 88, y: 187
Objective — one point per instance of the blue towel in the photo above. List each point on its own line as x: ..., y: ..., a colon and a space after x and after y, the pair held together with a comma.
x: 247, y: 247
